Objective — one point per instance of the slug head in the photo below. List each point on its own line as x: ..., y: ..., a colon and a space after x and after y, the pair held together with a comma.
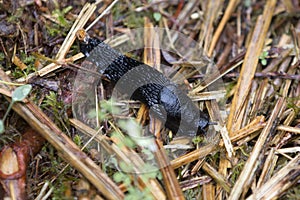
x: 86, y: 43
x: 203, y: 123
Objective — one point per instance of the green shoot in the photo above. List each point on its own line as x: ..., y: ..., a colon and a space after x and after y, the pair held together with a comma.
x: 157, y: 16
x: 263, y: 57
x: 19, y: 94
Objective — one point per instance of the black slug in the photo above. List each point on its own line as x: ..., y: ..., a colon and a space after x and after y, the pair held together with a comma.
x: 146, y: 84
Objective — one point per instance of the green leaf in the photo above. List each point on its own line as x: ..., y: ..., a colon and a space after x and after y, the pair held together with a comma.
x: 67, y: 9
x: 131, y: 127
x: 265, y: 53
x: 247, y: 3
x: 149, y: 171
x: 264, y: 62
x: 128, y: 168
x: 129, y: 142
x: 110, y: 107
x: 119, y: 177
x: 157, y: 16
x: 21, y: 92
x: 1, y: 126
x: 77, y: 139
x: 149, y: 154
x: 197, y: 139
x: 134, y: 194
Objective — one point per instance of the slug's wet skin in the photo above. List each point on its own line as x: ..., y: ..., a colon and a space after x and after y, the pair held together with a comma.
x: 144, y: 83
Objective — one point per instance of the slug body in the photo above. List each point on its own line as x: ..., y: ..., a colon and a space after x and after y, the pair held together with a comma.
x: 146, y: 84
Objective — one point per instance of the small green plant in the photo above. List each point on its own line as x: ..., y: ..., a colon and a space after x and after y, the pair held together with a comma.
x: 60, y: 15
x: 148, y: 170
x: 14, y: 18
x: 106, y: 110
x: 192, y: 194
x: 28, y: 60
x: 62, y: 24
x: 247, y: 3
x: 197, y: 139
x: 2, y: 56
x: 78, y: 140
x: 263, y: 57
x: 19, y: 94
x: 2, y: 126
x: 157, y: 16
x: 51, y: 101
x: 133, y: 192
x: 292, y: 193
x: 58, y: 173
x: 128, y: 133
x: 236, y: 171
x: 57, y: 109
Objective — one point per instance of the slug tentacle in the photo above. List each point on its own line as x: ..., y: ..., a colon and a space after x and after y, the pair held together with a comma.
x: 146, y: 84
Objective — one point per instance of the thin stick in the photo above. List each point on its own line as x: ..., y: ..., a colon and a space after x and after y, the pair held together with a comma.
x: 230, y: 8
x: 249, y: 67
x: 252, y: 162
x: 102, y: 14
x: 81, y: 20
x: 280, y: 182
x: 67, y: 149
x: 194, y: 155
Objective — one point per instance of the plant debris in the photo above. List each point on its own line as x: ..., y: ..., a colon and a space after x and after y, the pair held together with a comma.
x: 76, y: 136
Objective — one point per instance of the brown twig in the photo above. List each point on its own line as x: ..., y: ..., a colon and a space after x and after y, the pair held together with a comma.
x: 194, y: 155
x: 247, y: 174
x: 249, y: 67
x: 280, y: 182
x: 230, y: 8
x: 69, y: 151
x: 172, y: 186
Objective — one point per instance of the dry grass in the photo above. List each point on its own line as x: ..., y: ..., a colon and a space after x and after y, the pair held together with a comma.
x: 251, y: 152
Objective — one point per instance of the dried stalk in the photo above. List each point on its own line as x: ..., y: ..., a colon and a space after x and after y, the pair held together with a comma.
x: 66, y: 147
x: 152, y: 57
x: 209, y: 191
x: 265, y: 174
x: 228, y: 12
x: 81, y: 20
x: 246, y: 175
x: 211, y: 9
x: 280, y: 182
x: 216, y: 176
x: 195, y: 182
x: 171, y: 183
x: 249, y: 67
x: 194, y: 155
x: 127, y: 156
